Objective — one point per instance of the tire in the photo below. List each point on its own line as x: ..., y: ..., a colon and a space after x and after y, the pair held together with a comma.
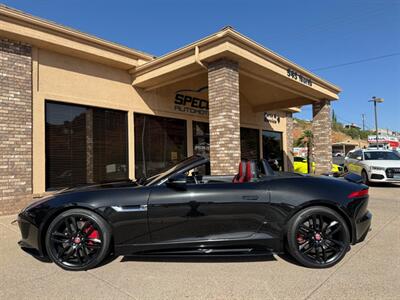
x: 364, y: 176
x: 316, y: 246
x: 78, y: 240
x: 345, y: 170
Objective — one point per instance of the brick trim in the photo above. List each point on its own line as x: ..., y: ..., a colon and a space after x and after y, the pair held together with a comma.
x: 289, y: 142
x: 322, y: 132
x: 15, y: 125
x: 224, y: 116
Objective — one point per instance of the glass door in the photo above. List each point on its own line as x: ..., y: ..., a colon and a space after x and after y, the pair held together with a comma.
x: 273, y: 149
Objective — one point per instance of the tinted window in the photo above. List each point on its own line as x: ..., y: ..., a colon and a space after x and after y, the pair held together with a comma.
x: 201, y: 144
x: 273, y: 148
x: 377, y: 155
x: 250, y: 143
x: 84, y: 145
x: 201, y: 139
x: 298, y: 159
x: 159, y: 143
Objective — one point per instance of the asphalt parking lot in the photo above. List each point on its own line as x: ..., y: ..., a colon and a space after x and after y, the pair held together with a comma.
x: 371, y: 270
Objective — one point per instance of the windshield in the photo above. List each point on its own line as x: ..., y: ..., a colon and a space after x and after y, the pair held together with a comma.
x: 381, y: 155
x: 168, y: 172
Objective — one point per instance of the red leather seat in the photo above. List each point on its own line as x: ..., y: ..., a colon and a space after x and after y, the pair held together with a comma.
x: 241, y: 176
x: 251, y: 171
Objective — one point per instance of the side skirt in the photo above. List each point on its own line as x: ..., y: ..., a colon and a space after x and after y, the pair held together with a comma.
x: 216, y: 247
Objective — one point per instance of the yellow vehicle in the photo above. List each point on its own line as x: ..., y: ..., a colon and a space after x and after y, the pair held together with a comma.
x: 300, y: 166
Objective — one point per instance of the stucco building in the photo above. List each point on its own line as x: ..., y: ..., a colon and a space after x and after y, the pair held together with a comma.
x: 75, y: 109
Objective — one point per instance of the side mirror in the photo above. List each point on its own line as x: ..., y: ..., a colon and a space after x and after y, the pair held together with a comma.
x: 359, y: 157
x: 177, y: 182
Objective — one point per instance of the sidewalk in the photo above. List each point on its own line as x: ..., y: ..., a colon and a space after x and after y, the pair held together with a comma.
x: 370, y: 270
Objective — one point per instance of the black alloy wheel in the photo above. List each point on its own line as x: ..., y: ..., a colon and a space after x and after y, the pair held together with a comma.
x: 77, y: 240
x: 318, y: 237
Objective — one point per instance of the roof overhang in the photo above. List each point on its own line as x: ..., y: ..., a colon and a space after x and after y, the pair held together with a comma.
x: 17, y: 25
x: 259, y: 68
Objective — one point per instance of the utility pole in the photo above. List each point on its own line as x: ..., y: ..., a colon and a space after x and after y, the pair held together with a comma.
x: 376, y: 100
x: 363, y: 122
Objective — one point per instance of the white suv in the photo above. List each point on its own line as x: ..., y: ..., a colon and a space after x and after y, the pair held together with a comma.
x: 374, y: 165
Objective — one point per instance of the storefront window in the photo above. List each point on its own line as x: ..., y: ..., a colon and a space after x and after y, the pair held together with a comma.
x: 84, y: 145
x: 159, y: 143
x: 201, y: 143
x: 250, y: 143
x: 201, y: 139
x: 273, y: 149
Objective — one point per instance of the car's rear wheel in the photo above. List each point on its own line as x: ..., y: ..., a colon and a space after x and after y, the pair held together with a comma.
x: 78, y: 239
x: 318, y: 237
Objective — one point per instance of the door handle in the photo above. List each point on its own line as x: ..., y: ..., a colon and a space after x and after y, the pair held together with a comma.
x: 250, y: 197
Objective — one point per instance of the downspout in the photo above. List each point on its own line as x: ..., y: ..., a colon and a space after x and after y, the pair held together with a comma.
x: 196, y: 57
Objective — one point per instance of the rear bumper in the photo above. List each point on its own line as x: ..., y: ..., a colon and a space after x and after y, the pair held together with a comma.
x: 362, y: 227
x: 30, y: 239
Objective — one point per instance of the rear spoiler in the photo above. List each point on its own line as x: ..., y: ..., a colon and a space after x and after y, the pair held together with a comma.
x: 353, y: 178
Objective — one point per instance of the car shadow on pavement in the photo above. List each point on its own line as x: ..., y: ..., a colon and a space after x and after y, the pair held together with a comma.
x: 200, y: 258
x: 286, y: 257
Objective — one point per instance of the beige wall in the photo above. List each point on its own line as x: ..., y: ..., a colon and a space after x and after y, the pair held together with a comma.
x: 70, y: 79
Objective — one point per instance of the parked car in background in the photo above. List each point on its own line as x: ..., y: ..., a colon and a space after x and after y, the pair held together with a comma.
x: 300, y: 166
x: 374, y: 165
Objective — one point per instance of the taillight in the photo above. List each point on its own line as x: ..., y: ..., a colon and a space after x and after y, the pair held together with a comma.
x: 357, y: 194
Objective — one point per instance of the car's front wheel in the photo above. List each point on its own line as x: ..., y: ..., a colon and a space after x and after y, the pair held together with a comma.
x: 78, y: 239
x: 364, y: 177
x: 318, y: 237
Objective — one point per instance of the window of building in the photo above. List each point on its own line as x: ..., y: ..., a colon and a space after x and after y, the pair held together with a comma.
x: 249, y: 143
x: 160, y: 142
x: 84, y: 145
x: 273, y: 149
x: 201, y: 139
x: 201, y: 144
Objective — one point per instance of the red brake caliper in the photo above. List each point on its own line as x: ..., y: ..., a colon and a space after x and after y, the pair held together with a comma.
x: 300, y: 238
x: 93, y: 235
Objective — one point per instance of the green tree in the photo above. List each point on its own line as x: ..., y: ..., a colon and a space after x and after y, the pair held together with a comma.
x: 306, y: 139
x: 334, y: 119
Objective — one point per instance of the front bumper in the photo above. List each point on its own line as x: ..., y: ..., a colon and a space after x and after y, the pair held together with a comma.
x: 389, y: 180
x: 30, y: 236
x: 381, y: 176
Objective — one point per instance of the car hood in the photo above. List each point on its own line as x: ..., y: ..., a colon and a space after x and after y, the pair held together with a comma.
x: 383, y: 163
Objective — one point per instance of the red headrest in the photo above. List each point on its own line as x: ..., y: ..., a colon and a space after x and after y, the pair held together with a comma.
x: 242, y: 168
x: 251, y: 170
x: 241, y: 176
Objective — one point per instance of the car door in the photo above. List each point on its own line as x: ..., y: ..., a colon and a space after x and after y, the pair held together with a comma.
x: 210, y: 211
x: 351, y: 161
x: 358, y: 162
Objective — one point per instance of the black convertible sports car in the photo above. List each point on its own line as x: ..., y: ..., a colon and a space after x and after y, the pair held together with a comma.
x: 180, y: 212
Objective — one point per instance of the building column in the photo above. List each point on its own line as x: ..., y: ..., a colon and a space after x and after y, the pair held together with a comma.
x: 224, y: 116
x: 289, y: 142
x: 15, y: 126
x: 322, y: 128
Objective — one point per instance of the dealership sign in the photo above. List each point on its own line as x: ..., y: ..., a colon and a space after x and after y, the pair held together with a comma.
x: 191, y: 101
x: 299, y: 77
x: 272, y: 118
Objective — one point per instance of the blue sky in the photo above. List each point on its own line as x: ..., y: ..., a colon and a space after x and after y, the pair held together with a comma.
x: 312, y: 33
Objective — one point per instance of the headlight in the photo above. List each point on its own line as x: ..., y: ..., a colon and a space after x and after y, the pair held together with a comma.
x: 378, y: 168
